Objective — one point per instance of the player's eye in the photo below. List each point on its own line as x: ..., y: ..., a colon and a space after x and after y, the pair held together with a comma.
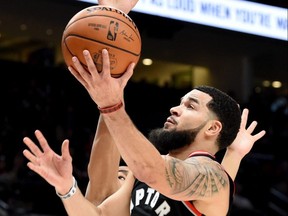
x: 122, y: 178
x: 191, y: 106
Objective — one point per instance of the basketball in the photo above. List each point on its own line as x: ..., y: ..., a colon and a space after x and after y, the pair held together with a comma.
x: 102, y: 27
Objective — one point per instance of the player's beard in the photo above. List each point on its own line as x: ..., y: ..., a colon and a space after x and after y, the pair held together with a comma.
x: 168, y: 140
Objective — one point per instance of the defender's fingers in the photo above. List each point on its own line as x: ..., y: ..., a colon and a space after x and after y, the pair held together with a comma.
x: 244, y: 118
x: 252, y: 127
x: 259, y: 135
x: 42, y: 141
x: 32, y: 146
x: 37, y: 169
x: 65, y: 150
x: 30, y: 157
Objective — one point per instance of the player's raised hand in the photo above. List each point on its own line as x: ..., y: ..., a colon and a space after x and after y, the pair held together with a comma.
x: 55, y: 169
x: 105, y: 90
x: 245, y: 140
x: 241, y: 146
x: 123, y: 5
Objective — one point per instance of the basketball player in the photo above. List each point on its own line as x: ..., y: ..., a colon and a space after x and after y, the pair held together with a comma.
x: 186, y: 181
x: 173, y: 184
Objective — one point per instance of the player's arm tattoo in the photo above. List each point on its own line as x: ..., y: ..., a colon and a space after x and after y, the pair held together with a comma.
x: 195, y: 177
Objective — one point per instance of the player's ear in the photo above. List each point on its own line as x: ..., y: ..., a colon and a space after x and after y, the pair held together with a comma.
x: 214, y: 128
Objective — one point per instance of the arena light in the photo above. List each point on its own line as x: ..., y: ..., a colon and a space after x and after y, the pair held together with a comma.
x: 147, y: 61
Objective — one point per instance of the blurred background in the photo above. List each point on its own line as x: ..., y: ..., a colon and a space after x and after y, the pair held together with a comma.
x: 38, y: 92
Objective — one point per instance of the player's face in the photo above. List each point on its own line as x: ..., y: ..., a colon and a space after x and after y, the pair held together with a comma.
x: 190, y: 113
x: 185, y: 123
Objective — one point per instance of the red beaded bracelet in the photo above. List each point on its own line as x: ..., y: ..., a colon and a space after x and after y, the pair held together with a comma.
x: 111, y: 109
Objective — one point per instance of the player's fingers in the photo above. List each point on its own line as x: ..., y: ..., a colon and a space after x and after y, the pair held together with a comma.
x: 37, y: 169
x: 244, y: 118
x: 42, y: 141
x: 65, y: 150
x: 30, y: 156
x: 77, y: 75
x: 106, y: 63
x: 133, y: 3
x: 32, y: 146
x: 90, y: 63
x: 251, y: 127
x: 259, y: 135
x: 128, y: 74
x: 85, y: 75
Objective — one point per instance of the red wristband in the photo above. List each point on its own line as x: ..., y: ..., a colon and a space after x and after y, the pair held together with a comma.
x: 111, y: 109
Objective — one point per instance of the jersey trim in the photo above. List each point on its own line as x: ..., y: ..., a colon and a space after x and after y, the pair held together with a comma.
x: 201, y: 153
x: 191, y: 208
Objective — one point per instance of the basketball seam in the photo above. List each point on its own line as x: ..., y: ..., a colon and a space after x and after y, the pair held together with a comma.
x: 107, y: 44
x: 135, y: 31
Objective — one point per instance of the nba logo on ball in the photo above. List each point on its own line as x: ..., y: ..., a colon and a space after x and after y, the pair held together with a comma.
x: 98, y: 27
x: 113, y: 29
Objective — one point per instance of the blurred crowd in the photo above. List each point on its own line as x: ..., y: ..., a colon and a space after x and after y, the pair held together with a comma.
x: 50, y: 99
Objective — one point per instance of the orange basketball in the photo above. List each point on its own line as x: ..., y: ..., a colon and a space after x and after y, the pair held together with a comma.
x: 97, y: 27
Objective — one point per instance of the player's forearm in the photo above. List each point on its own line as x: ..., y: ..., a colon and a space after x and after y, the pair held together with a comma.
x: 103, y: 165
x: 78, y: 205
x: 141, y: 156
x: 104, y: 153
x: 231, y: 162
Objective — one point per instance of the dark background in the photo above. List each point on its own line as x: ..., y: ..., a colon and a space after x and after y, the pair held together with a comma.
x: 37, y: 92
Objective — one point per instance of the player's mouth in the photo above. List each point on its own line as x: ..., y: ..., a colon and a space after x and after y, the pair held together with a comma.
x: 170, y: 121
